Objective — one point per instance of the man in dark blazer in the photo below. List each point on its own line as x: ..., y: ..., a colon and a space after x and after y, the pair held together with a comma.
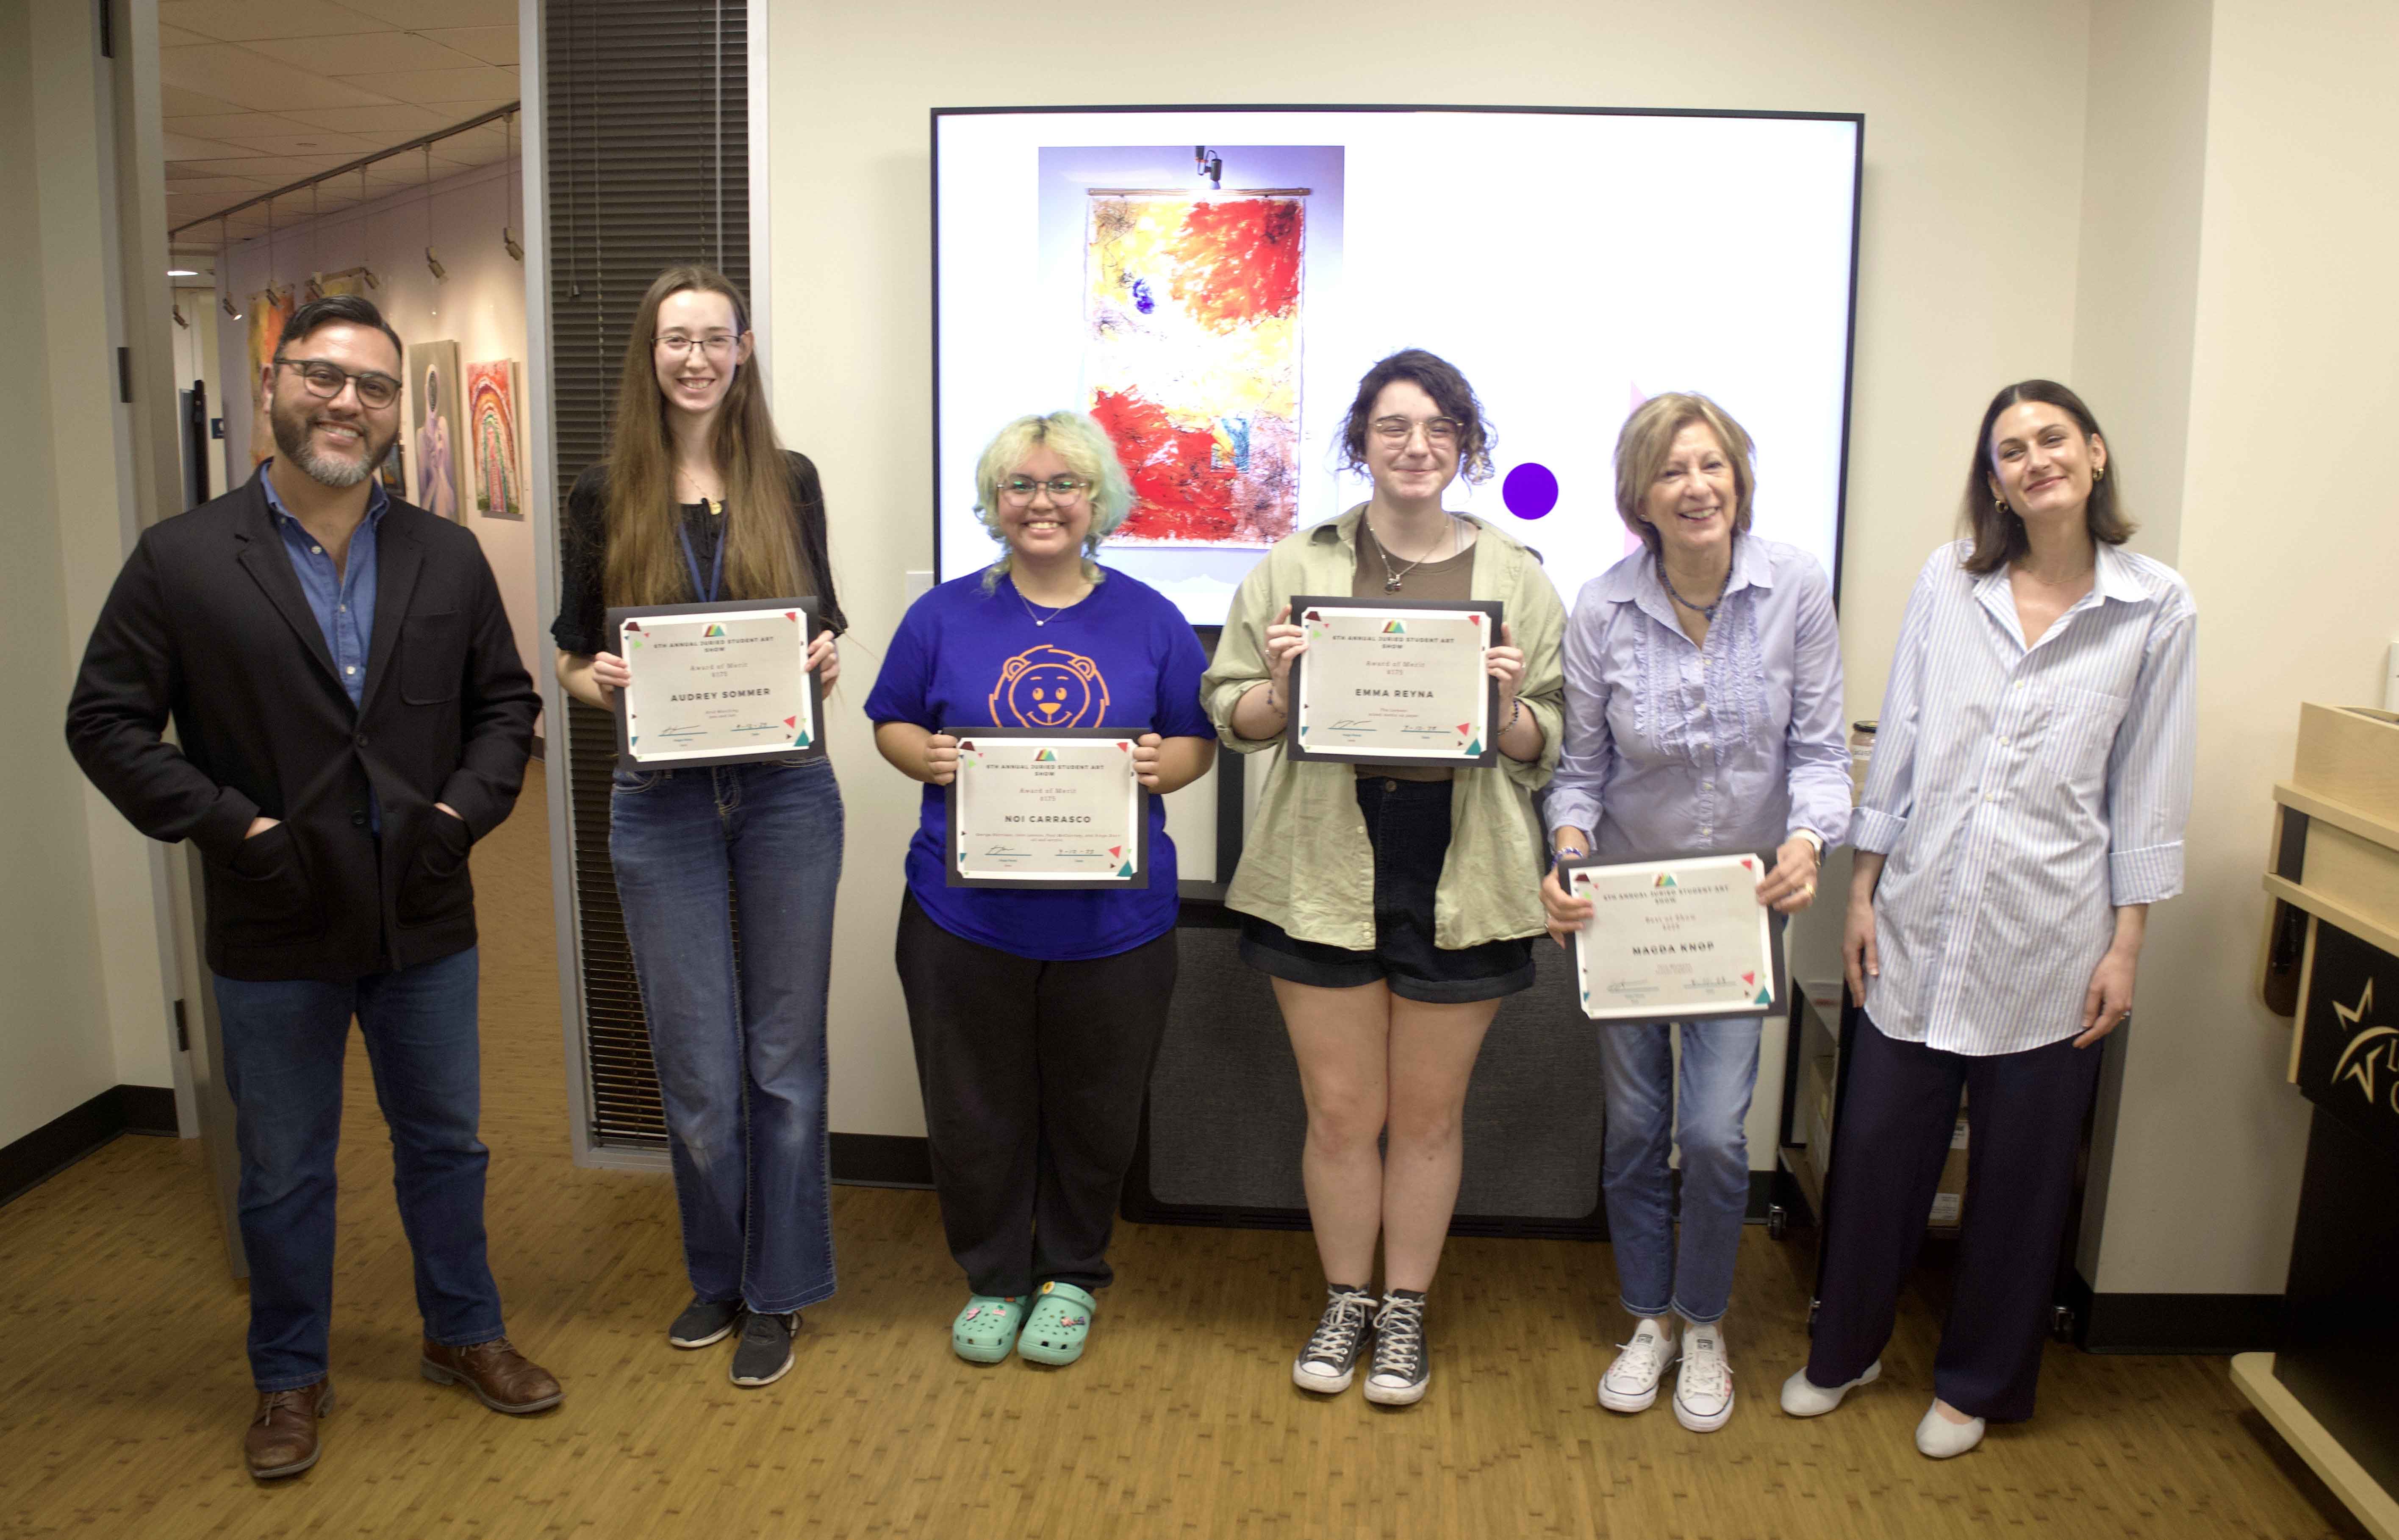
x: 350, y: 716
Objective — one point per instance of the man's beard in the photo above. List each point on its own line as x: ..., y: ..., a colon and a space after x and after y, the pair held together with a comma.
x: 292, y: 440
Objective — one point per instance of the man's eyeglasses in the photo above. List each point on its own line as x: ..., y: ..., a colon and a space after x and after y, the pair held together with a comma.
x: 1441, y: 433
x: 715, y: 345
x: 325, y: 380
x: 1063, y: 489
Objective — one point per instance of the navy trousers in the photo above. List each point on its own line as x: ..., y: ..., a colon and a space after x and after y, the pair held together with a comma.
x: 1897, y: 1116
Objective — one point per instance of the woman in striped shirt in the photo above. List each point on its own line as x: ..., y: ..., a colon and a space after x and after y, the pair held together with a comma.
x: 2031, y: 779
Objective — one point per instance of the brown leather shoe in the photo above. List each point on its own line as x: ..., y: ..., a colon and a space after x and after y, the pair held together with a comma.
x: 281, y: 1439
x: 500, y: 1377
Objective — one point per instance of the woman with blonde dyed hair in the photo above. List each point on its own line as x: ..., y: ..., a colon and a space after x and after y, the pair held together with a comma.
x: 1036, y: 1013
x: 1703, y: 716
x: 695, y: 502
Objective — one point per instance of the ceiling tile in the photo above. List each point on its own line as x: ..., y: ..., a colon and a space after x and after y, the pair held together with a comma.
x: 184, y: 146
x: 242, y: 20
x: 175, y: 38
x: 402, y: 120
x: 492, y: 44
x: 342, y: 146
x: 475, y: 147
x: 430, y: 86
x: 175, y: 102
x: 417, y: 15
x: 365, y: 54
x: 192, y: 185
x: 277, y: 169
x: 230, y: 72
x: 218, y: 125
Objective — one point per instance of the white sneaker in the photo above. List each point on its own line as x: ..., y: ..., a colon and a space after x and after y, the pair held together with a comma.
x: 1937, y: 1438
x: 1631, y: 1382
x: 1703, y: 1387
x: 1804, y: 1397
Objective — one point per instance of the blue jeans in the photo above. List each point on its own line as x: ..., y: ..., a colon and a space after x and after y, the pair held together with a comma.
x: 1654, y: 1274
x: 283, y: 1046
x: 741, y: 1052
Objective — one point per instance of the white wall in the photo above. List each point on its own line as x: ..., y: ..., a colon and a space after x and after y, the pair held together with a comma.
x: 1967, y: 276
x: 480, y: 305
x: 57, y: 1047
x: 2291, y: 543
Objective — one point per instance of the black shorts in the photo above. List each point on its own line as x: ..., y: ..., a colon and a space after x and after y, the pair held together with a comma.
x: 1407, y: 821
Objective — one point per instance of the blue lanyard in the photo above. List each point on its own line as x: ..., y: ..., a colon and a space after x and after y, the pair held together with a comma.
x: 705, y: 596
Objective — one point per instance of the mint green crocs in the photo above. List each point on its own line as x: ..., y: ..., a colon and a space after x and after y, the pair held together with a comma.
x: 986, y: 1329
x: 1059, y: 1326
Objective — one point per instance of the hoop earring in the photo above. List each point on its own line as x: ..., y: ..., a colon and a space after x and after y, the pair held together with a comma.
x: 2000, y: 504
x: 2100, y: 474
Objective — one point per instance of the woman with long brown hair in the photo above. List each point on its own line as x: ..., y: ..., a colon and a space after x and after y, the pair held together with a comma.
x: 697, y: 501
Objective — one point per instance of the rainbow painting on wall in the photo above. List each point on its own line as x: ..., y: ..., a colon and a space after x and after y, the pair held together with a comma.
x: 491, y: 438
x: 1192, y: 310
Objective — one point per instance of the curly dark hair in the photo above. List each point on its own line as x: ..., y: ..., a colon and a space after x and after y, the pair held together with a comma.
x: 1441, y: 380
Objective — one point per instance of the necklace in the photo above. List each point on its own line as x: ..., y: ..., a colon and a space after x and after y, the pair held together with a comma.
x: 1391, y: 580
x: 1707, y: 611
x: 1039, y: 618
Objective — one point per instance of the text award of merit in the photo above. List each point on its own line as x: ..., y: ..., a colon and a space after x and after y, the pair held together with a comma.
x: 716, y: 683
x: 1395, y: 682
x: 1675, y: 939
x: 1047, y: 807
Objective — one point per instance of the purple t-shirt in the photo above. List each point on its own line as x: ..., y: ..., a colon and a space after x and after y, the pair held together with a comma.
x: 1124, y: 658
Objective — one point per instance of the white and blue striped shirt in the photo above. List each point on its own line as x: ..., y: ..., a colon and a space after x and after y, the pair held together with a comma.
x: 2022, y: 794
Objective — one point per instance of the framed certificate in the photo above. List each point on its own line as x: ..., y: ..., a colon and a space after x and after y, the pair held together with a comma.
x: 1394, y: 681
x: 1679, y: 938
x: 717, y: 684
x: 1047, y: 807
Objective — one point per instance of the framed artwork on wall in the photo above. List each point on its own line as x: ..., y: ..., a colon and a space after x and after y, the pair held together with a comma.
x: 435, y: 391
x: 492, y: 430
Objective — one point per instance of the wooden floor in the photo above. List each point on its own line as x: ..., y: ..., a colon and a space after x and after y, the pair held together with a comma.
x: 123, y: 1388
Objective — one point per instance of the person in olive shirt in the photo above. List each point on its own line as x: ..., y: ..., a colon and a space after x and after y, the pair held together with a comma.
x: 1393, y: 908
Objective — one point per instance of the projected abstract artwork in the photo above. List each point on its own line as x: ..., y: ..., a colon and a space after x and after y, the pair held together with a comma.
x: 1192, y: 309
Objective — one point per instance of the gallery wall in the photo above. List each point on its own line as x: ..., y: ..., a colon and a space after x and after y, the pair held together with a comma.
x: 1959, y: 291
x: 480, y: 305
x: 68, y: 856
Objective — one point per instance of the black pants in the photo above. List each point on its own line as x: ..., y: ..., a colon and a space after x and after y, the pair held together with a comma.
x: 1896, y: 1121
x: 1033, y: 1075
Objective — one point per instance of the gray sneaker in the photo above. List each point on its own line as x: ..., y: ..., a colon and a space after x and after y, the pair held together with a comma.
x: 705, y: 1321
x: 765, y: 1354
x: 1326, y: 1365
x: 1400, y: 1374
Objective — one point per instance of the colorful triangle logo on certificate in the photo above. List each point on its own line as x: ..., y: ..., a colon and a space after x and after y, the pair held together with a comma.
x: 1665, y: 879
x: 1047, y: 756
x: 1393, y: 628
x: 714, y: 630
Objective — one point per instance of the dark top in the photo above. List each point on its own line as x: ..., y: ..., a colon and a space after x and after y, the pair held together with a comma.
x: 582, y: 623
x: 207, y: 625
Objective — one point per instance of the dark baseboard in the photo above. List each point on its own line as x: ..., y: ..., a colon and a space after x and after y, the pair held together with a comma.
x: 882, y: 1159
x: 33, y: 1160
x: 2175, y: 1323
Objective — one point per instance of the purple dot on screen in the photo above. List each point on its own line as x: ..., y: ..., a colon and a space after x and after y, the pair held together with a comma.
x: 1530, y: 490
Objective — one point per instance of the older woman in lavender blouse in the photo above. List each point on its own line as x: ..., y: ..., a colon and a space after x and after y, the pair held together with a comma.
x: 1704, y: 714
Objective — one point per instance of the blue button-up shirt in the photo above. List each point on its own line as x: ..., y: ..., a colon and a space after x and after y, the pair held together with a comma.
x: 343, y: 600
x: 2022, y: 792
x: 1673, y: 747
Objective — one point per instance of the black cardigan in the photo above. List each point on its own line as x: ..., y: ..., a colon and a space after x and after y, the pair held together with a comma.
x: 582, y: 623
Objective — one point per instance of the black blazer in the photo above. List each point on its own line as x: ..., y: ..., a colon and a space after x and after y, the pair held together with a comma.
x: 208, y: 625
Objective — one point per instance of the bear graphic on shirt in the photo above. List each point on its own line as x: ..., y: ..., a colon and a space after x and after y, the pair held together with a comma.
x: 1048, y: 687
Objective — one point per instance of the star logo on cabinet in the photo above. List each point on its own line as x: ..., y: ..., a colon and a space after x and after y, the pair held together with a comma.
x: 2375, y: 1049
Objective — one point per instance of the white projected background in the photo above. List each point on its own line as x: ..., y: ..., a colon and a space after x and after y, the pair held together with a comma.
x: 1569, y: 263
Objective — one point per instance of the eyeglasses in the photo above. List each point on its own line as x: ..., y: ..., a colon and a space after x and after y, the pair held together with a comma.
x: 1064, y: 489
x: 1440, y: 432
x: 715, y: 345
x: 325, y: 380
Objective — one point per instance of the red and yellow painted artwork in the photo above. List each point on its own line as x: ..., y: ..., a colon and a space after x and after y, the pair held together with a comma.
x: 1193, y: 308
